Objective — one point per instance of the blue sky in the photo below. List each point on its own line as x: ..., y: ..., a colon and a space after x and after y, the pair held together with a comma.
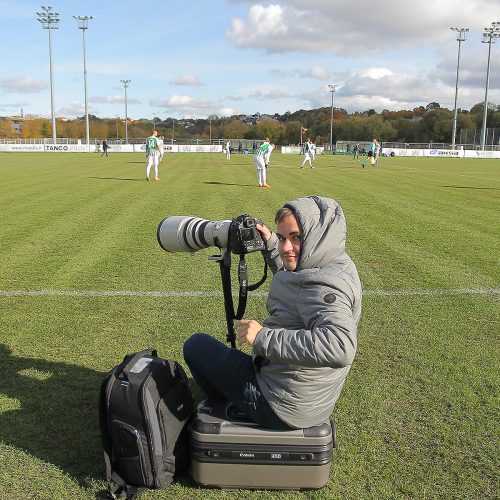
x: 200, y: 57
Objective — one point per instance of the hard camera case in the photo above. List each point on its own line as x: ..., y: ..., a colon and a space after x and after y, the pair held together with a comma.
x: 229, y: 451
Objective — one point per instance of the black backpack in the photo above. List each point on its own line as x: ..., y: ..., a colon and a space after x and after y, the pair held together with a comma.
x: 144, y: 411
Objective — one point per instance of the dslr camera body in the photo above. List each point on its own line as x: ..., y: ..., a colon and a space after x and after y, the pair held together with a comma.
x: 244, y: 237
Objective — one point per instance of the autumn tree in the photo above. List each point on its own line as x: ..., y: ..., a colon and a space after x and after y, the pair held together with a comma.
x: 270, y: 128
x: 234, y: 129
x: 6, y: 129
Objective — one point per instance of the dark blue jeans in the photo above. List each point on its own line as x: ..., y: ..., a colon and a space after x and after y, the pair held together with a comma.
x: 226, y: 373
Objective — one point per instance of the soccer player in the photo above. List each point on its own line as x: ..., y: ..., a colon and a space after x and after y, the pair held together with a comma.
x: 308, y: 155
x: 259, y: 159
x: 155, y: 154
x: 371, y: 154
x: 378, y: 147
x: 228, y: 150
x: 104, y: 148
x: 312, y: 152
x: 356, y: 150
x: 267, y: 156
x: 160, y: 146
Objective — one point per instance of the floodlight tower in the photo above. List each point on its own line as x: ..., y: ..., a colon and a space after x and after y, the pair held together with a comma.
x: 50, y: 21
x: 461, y: 37
x: 125, y: 86
x: 83, y: 25
x: 332, y: 87
x: 489, y: 36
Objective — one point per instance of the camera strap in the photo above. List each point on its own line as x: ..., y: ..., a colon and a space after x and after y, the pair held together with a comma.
x: 225, y: 273
x: 225, y: 270
x: 243, y: 280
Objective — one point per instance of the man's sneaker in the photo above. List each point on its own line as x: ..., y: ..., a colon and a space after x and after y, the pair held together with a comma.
x: 157, y: 179
x: 147, y: 178
x: 261, y: 185
x: 266, y: 185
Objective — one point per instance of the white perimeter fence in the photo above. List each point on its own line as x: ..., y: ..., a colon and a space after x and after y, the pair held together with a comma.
x: 113, y: 148
x: 218, y: 148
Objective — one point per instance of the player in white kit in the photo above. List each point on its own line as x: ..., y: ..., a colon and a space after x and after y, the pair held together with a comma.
x: 154, y: 149
x: 259, y: 159
x: 308, y: 154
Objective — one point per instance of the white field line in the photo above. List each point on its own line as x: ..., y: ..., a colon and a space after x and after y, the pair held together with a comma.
x: 202, y: 294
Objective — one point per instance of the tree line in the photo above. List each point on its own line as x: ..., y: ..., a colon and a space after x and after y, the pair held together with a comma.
x: 421, y: 124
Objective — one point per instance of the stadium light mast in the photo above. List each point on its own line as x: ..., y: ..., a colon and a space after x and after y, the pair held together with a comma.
x: 332, y: 87
x: 489, y: 36
x: 83, y: 25
x: 50, y: 21
x: 461, y: 37
x: 125, y: 85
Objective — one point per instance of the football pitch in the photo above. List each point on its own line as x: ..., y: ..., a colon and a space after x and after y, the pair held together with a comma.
x: 83, y: 282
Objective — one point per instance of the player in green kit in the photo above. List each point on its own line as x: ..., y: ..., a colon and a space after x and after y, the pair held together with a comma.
x: 154, y: 151
x: 259, y: 159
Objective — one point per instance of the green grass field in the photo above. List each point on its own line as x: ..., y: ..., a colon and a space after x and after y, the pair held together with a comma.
x: 418, y: 417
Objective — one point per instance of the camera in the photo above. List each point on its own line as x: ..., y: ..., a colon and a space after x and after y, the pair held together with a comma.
x: 190, y: 234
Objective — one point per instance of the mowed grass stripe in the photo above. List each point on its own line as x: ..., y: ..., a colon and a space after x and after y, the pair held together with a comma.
x: 86, y: 282
x: 201, y: 293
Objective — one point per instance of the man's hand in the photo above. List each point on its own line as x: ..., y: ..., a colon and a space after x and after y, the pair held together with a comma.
x: 247, y: 330
x: 264, y: 231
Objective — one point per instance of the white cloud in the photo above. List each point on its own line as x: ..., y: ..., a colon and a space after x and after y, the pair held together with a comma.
x: 188, y: 79
x: 14, y: 105
x: 113, y: 99
x: 381, y: 88
x: 314, y: 72
x: 472, y: 67
x: 71, y: 110
x: 376, y: 73
x: 191, y: 107
x: 262, y: 23
x: 273, y: 94
x: 22, y: 85
x: 354, y: 28
x: 319, y: 73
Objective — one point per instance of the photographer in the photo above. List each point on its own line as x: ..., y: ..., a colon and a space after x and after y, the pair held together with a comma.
x: 303, y: 352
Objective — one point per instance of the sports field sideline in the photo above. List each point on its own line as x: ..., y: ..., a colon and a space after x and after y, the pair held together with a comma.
x: 83, y: 282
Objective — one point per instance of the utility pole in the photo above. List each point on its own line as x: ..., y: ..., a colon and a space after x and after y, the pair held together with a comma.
x: 489, y: 36
x: 461, y: 37
x: 332, y: 88
x: 50, y: 21
x: 125, y: 85
x: 83, y: 25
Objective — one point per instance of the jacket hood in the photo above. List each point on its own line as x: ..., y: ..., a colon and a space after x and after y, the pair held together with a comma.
x: 323, y: 230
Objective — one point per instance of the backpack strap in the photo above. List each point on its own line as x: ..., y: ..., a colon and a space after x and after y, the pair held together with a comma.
x: 116, y: 485
x: 103, y: 424
x: 124, y: 490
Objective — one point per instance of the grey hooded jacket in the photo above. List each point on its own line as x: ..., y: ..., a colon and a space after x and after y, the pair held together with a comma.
x: 307, y: 345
